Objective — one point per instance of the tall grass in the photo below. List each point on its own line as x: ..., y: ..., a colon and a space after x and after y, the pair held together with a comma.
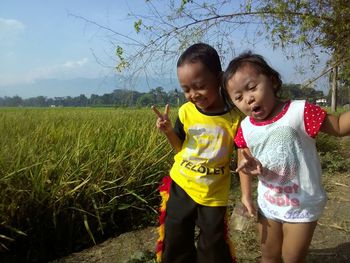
x: 70, y: 177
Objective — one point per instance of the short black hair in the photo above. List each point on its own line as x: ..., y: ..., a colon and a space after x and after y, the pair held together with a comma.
x: 204, y: 53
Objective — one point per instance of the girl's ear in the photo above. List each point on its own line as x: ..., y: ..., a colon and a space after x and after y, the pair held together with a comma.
x: 220, y: 78
x: 274, y: 82
x: 221, y: 75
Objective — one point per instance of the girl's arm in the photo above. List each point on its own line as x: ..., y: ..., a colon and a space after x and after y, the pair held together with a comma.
x: 337, y: 125
x: 174, y: 140
x: 246, y: 189
x: 164, y: 124
x: 247, y: 166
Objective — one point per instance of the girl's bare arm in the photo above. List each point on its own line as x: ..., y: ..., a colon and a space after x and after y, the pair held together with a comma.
x: 164, y: 125
x: 337, y: 125
x: 174, y: 140
x: 248, y: 166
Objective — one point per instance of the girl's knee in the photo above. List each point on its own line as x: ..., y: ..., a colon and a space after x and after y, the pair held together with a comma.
x: 293, y: 257
x: 270, y: 255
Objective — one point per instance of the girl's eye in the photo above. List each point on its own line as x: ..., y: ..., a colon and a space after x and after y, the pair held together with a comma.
x: 252, y: 87
x: 238, y: 98
x: 200, y: 87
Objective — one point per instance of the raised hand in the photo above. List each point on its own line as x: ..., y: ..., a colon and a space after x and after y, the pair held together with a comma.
x: 163, y: 122
x: 248, y: 164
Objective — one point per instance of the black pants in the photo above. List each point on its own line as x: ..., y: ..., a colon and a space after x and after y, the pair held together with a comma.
x: 182, y: 214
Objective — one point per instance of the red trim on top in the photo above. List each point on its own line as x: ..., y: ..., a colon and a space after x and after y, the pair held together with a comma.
x: 274, y: 119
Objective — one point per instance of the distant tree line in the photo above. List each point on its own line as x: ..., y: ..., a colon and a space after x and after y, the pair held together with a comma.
x: 126, y: 98
x: 118, y: 98
x: 296, y: 91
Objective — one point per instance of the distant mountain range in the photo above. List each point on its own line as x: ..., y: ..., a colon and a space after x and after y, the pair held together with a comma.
x: 74, y: 87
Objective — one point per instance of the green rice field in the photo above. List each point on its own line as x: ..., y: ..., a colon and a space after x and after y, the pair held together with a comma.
x: 73, y: 177
x: 70, y: 177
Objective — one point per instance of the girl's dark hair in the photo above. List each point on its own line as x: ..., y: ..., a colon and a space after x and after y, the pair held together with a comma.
x: 203, y: 53
x: 256, y: 61
x: 209, y: 57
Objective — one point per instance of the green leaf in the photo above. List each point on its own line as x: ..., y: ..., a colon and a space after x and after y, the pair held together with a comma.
x: 124, y: 206
x: 119, y: 52
x: 87, y: 227
x: 137, y: 25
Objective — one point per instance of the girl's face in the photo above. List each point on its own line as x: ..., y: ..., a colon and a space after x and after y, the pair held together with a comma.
x: 200, y: 86
x: 253, y: 93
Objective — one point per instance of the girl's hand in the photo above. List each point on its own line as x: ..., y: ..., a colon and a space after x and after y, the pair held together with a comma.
x: 163, y: 122
x: 249, y: 205
x: 248, y: 164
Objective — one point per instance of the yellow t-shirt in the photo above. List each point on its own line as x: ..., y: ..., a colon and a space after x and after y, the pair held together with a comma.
x: 201, y: 168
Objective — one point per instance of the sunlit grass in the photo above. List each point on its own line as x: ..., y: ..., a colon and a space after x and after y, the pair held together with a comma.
x: 70, y: 177
x: 82, y: 172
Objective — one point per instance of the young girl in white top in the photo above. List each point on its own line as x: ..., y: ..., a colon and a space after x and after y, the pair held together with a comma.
x: 281, y: 135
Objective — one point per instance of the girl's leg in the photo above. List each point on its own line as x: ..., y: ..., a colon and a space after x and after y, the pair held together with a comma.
x: 212, y: 245
x: 271, y: 238
x: 296, y: 241
x: 179, y: 227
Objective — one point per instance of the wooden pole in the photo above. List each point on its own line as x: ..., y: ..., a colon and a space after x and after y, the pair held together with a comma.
x: 334, y: 89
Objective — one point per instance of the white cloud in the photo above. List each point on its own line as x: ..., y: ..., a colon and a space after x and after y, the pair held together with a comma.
x: 10, y: 29
x: 74, y: 64
x: 10, y: 24
x: 66, y: 70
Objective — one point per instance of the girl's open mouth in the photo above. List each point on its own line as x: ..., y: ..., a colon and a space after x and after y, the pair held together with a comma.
x: 256, y: 109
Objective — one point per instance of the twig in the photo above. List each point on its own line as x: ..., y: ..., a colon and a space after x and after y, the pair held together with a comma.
x: 334, y: 226
x: 323, y: 253
x: 340, y: 184
x: 342, y: 199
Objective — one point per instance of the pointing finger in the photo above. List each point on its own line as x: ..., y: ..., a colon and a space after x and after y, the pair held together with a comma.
x: 242, y: 164
x: 166, y: 111
x: 246, y: 155
x: 259, y: 169
x: 254, y: 163
x: 157, y: 112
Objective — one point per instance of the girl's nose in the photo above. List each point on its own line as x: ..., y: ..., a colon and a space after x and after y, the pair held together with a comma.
x: 193, y: 94
x: 249, y: 99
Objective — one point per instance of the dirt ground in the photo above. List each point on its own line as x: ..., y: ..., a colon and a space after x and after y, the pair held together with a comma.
x: 331, y: 242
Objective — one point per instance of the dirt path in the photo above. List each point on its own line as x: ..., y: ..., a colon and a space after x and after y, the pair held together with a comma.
x: 331, y: 242
x: 122, y: 249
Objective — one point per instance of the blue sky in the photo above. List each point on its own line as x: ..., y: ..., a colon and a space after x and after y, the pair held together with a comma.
x: 42, y: 40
